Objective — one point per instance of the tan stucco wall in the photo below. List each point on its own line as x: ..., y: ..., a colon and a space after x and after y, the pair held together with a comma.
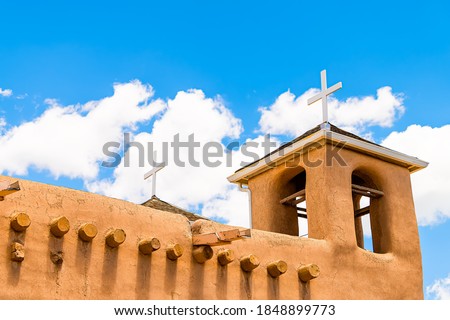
x: 95, y: 271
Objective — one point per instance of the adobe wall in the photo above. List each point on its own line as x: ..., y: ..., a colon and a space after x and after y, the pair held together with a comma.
x: 96, y: 271
x: 350, y: 272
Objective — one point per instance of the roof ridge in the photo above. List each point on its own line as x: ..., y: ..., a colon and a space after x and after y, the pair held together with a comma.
x: 158, y: 204
x: 309, y: 132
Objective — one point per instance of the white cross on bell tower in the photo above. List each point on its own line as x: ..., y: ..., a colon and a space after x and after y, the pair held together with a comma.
x: 324, y: 94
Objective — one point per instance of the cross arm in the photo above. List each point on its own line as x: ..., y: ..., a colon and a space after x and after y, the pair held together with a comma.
x: 152, y: 172
x: 334, y: 88
x: 315, y: 98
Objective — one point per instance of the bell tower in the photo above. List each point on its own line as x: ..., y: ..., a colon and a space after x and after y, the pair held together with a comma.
x: 346, y: 188
x: 333, y: 178
x: 321, y: 176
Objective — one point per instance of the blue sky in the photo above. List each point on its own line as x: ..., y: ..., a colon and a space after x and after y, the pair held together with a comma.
x: 241, y: 56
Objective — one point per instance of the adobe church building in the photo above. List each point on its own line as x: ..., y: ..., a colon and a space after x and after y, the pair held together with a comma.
x: 60, y: 243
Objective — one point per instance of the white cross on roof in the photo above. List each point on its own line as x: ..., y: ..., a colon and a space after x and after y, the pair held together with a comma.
x: 324, y: 94
x: 153, y: 173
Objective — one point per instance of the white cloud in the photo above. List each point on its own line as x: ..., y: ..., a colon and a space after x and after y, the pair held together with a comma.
x: 189, y: 186
x: 201, y: 188
x: 2, y: 123
x: 430, y: 185
x: 233, y: 206
x: 290, y: 115
x: 440, y: 289
x: 22, y: 96
x: 68, y: 140
x: 6, y: 92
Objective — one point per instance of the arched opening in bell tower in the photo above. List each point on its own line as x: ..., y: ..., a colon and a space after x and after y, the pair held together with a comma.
x: 297, y: 200
x: 366, y: 197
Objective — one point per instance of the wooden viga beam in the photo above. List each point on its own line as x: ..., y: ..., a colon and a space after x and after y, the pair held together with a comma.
x: 292, y: 199
x: 7, y: 188
x: 368, y: 192
x: 301, y: 212
x: 220, y: 238
x: 362, y: 212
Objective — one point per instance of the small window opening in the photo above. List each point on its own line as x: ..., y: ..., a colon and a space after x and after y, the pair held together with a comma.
x: 298, y: 201
x: 365, y: 205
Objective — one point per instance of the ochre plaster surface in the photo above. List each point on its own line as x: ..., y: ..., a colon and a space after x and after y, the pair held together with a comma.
x: 94, y: 270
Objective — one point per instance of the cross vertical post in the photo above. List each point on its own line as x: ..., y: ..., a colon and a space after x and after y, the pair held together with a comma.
x: 152, y: 173
x: 324, y: 94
